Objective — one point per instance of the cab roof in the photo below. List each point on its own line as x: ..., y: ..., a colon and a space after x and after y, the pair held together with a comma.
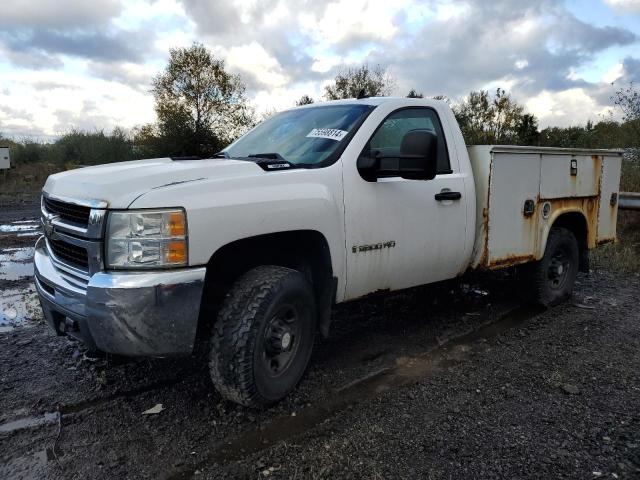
x: 375, y: 101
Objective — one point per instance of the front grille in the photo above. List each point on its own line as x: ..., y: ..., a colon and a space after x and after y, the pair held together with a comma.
x: 69, y: 253
x: 68, y: 211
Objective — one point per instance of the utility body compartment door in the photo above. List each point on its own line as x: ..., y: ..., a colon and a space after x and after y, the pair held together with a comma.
x: 398, y: 235
x: 522, y: 191
x: 568, y: 176
x: 608, y: 208
x: 514, y: 181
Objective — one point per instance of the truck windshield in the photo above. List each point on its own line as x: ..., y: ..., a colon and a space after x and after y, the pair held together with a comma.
x: 303, y: 137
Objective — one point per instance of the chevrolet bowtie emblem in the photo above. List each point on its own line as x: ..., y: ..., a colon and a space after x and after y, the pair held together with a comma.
x: 47, y: 225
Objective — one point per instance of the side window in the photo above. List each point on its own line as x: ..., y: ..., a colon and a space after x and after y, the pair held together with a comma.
x: 388, y: 137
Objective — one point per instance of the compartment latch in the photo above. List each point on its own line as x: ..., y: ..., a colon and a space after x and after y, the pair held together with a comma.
x: 574, y: 167
x: 529, y: 207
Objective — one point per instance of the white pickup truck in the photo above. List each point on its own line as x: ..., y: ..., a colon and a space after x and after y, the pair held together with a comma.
x: 317, y: 205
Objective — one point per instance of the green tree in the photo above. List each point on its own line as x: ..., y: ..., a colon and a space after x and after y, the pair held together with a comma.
x: 495, y: 120
x: 567, y: 137
x: 200, y: 106
x: 527, y: 130
x: 350, y: 82
x: 304, y: 100
x: 628, y: 100
x: 604, y: 134
x: 413, y: 93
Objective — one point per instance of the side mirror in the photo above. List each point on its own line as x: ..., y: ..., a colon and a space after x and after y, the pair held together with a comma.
x: 417, y: 159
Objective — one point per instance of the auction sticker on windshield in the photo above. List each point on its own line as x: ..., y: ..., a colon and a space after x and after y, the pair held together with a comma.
x: 330, y: 133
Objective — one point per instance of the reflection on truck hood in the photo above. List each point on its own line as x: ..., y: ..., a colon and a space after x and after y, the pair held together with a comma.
x: 119, y: 184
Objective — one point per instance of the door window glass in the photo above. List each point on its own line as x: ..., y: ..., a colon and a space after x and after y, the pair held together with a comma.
x: 388, y: 137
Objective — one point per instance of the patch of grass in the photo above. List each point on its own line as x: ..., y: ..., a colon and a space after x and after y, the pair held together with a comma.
x: 25, y: 180
x: 624, y: 255
x: 630, y: 175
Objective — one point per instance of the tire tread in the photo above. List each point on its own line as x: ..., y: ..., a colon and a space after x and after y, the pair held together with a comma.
x: 234, y: 332
x: 535, y: 274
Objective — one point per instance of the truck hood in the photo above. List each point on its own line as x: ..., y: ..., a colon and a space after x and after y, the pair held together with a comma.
x: 119, y: 184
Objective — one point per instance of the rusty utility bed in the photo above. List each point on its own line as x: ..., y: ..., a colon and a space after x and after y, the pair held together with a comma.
x: 522, y: 191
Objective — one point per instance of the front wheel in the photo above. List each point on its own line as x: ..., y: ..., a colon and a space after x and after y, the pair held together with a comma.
x: 550, y: 281
x: 263, y: 337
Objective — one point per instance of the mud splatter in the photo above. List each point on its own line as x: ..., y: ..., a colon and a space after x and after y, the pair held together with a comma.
x: 19, y: 307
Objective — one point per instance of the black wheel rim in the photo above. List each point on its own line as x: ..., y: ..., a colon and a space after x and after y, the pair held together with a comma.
x: 281, y: 341
x: 558, y: 270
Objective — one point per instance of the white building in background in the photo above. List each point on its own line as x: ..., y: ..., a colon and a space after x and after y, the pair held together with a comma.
x: 5, y: 161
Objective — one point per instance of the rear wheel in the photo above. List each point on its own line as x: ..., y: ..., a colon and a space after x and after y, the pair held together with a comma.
x: 263, y: 337
x: 550, y: 281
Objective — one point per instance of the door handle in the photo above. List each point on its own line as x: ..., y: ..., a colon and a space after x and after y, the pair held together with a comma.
x: 448, y: 196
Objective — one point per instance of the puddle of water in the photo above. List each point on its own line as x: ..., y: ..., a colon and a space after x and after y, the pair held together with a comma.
x: 18, y: 307
x: 20, y: 226
x: 17, y: 254
x: 29, y: 422
x: 405, y: 371
x: 16, y: 263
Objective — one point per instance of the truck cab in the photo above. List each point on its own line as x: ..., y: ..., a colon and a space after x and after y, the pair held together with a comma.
x: 317, y: 205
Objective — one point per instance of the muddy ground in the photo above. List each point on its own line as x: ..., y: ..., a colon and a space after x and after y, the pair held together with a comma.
x: 453, y: 381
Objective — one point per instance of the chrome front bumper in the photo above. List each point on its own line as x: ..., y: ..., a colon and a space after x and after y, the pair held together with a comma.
x: 127, y: 313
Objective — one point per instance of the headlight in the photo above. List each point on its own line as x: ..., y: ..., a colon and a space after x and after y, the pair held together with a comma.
x: 147, y: 239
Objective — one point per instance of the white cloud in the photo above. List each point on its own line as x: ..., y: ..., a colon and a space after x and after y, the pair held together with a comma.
x: 614, y: 73
x: 345, y: 19
x: 68, y: 95
x: 174, y: 39
x: 283, y: 98
x: 92, y: 64
x: 625, y: 5
x: 254, y: 60
x: 566, y: 108
x: 448, y: 11
x: 137, y: 12
x: 58, y: 13
x: 325, y: 62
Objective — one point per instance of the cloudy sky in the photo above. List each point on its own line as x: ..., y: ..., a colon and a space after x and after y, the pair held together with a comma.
x: 88, y: 64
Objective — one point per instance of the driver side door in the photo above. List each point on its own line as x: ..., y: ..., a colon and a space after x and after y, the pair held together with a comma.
x: 402, y: 233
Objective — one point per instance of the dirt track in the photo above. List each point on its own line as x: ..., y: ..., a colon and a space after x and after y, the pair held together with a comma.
x: 455, y: 381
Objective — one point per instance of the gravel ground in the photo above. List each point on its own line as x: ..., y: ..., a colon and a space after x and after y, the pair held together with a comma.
x: 451, y: 381
x: 556, y: 397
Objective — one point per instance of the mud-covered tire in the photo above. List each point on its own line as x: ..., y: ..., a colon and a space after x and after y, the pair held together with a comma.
x: 550, y: 281
x: 251, y: 330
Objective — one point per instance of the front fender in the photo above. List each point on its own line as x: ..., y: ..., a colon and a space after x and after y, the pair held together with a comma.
x: 222, y: 211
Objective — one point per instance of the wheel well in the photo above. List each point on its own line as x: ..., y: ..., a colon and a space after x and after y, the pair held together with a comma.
x: 304, y: 250
x: 577, y: 224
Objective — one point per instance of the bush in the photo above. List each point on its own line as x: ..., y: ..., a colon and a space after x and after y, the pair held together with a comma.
x: 75, y: 148
x: 630, y: 175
